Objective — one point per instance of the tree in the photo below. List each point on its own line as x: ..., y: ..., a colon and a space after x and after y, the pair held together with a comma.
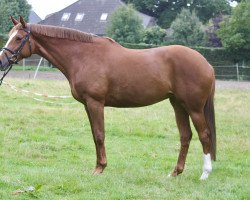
x: 154, y: 35
x: 187, y: 29
x: 125, y: 25
x: 213, y: 27
x: 13, y: 8
x: 235, y: 31
x: 166, y: 10
x: 149, y: 7
x: 207, y: 9
x: 3, y: 39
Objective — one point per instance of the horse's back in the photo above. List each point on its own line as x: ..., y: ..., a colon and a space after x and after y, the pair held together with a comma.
x: 173, y: 65
x: 143, y: 77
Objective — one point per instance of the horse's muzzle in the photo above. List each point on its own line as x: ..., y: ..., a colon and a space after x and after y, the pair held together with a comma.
x: 4, y: 65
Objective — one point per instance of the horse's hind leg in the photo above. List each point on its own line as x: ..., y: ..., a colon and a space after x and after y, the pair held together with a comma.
x: 200, y: 124
x: 182, y: 120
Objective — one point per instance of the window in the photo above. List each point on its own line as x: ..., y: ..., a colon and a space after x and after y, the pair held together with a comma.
x: 104, y: 16
x: 79, y: 17
x: 65, y: 16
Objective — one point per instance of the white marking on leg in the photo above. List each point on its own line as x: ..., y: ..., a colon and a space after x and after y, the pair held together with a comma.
x: 207, y: 167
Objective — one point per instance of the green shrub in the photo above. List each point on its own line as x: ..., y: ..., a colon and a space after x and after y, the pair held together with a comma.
x: 188, y: 29
x: 216, y: 56
x: 125, y: 25
x: 154, y: 35
x: 138, y: 46
x: 235, y: 32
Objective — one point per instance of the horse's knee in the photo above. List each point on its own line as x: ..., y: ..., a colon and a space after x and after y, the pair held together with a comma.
x: 99, y: 138
x: 186, y: 138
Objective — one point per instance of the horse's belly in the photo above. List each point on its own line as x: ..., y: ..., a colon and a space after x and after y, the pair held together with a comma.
x: 135, y: 98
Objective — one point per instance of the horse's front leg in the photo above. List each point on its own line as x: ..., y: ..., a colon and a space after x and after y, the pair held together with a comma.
x: 95, y: 111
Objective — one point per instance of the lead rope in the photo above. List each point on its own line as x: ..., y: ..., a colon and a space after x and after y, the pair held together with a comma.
x: 26, y: 92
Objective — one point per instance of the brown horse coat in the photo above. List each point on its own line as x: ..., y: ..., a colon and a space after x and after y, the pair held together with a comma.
x: 103, y: 73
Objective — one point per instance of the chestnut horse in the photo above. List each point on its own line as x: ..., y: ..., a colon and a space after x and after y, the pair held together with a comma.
x: 103, y: 73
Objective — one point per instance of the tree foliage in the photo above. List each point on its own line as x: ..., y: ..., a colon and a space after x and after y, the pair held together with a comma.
x: 235, y: 31
x: 13, y: 8
x: 212, y: 28
x: 166, y: 10
x: 154, y: 35
x: 125, y: 25
x: 188, y: 29
x: 3, y: 39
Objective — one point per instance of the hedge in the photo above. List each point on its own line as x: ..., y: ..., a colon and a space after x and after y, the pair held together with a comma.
x: 215, y: 56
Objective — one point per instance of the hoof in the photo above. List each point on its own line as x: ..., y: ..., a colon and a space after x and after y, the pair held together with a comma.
x: 173, y: 174
x: 176, y: 172
x: 170, y: 175
x: 204, y: 175
x: 98, y: 170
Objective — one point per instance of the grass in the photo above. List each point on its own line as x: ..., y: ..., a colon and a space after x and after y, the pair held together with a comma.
x: 50, y: 146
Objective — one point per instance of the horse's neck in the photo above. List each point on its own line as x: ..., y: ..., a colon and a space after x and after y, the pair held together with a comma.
x: 57, y: 51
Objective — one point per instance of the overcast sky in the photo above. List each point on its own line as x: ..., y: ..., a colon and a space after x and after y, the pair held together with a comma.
x: 45, y: 7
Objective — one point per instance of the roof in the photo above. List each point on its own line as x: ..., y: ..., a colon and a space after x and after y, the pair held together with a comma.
x: 89, y: 16
x: 34, y: 18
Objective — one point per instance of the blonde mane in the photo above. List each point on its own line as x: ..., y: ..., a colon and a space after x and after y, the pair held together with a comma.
x: 61, y: 32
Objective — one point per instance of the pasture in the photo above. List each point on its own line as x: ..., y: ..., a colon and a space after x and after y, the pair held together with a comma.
x: 50, y: 147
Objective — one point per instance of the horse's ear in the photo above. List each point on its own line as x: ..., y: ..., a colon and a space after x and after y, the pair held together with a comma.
x: 24, y: 24
x: 14, y: 21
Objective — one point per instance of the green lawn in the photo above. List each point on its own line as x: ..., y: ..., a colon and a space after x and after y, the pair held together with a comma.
x: 50, y: 146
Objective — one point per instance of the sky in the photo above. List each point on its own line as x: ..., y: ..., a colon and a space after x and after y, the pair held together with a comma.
x: 45, y: 7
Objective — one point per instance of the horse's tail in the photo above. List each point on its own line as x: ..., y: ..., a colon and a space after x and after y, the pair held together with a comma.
x: 210, y: 119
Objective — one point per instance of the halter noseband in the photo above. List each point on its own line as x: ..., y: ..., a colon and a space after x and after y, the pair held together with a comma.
x: 14, y: 54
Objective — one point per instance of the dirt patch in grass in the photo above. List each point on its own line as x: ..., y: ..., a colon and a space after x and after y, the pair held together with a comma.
x: 40, y: 75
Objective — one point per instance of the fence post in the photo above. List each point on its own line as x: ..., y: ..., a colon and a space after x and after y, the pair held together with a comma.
x: 38, y: 66
x: 23, y: 64
x: 237, y: 68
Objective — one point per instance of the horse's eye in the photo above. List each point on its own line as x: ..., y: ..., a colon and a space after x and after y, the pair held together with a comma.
x: 18, y: 38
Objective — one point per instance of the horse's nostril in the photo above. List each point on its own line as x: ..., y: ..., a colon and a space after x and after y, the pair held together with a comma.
x: 0, y: 63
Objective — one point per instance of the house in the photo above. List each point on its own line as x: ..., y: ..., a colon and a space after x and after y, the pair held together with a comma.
x: 34, y: 18
x: 90, y: 16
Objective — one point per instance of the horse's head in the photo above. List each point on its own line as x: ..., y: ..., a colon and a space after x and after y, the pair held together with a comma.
x: 18, y: 45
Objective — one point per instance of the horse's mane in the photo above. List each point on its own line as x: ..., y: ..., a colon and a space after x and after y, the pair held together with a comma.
x: 61, y: 32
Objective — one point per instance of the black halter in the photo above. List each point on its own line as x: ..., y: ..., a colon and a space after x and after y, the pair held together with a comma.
x: 14, y: 54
